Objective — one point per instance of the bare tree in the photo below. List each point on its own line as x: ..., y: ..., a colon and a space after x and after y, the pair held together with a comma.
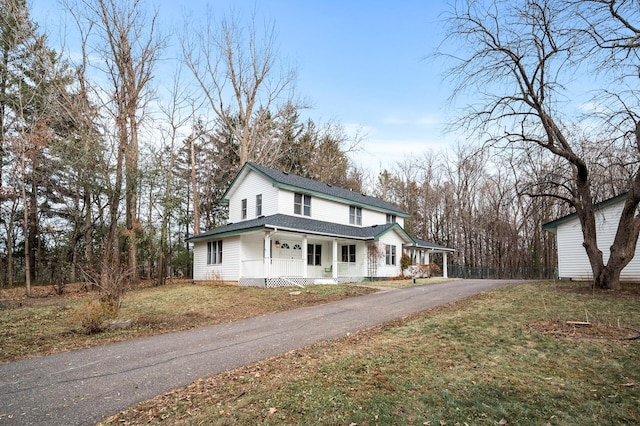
x: 518, y: 58
x: 176, y: 118
x: 237, y: 70
x: 130, y: 47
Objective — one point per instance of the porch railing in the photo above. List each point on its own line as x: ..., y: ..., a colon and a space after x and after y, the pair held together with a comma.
x: 286, y: 267
x: 254, y: 268
x: 348, y: 269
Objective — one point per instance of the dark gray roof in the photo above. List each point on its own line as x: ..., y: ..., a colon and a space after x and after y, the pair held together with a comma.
x: 429, y: 245
x: 301, y: 224
x: 280, y: 178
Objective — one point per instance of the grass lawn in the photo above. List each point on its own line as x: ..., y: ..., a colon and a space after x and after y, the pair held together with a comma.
x: 41, y: 326
x: 475, y: 362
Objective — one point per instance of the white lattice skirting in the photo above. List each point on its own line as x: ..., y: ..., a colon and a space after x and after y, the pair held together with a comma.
x: 293, y: 282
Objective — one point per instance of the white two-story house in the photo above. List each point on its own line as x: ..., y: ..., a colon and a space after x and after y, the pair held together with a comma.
x: 288, y: 230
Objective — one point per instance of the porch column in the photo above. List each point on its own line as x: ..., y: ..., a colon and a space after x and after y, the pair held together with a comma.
x: 305, y: 273
x: 444, y: 265
x: 334, y: 260
x: 427, y: 260
x: 267, y: 255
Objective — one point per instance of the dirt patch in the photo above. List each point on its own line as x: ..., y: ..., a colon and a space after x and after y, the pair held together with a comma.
x: 582, y: 330
x: 627, y: 290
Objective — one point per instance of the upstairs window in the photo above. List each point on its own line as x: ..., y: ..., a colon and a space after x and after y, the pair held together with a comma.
x: 355, y: 215
x: 390, y: 254
x: 391, y: 218
x: 243, y: 209
x: 302, y: 204
x: 258, y: 205
x: 314, y: 254
x: 214, y: 252
x: 349, y: 253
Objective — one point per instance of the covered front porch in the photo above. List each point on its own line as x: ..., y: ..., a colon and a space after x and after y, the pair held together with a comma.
x: 279, y: 258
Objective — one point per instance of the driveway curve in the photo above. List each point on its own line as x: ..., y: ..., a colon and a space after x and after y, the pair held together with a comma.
x: 81, y: 387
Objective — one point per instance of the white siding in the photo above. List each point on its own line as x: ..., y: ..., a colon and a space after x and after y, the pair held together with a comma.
x: 228, y: 270
x: 252, y: 246
x: 252, y: 185
x: 332, y: 211
x: 371, y: 217
x: 572, y: 257
x: 199, y: 260
x: 384, y: 270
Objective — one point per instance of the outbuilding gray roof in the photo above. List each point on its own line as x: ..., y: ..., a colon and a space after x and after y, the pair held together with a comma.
x: 304, y: 225
x: 314, y: 187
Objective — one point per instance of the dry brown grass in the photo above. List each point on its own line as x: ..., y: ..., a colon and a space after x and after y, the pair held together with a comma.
x: 470, y: 362
x: 48, y: 323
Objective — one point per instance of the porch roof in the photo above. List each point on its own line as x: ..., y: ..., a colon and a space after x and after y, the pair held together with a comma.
x: 418, y: 243
x: 303, y: 225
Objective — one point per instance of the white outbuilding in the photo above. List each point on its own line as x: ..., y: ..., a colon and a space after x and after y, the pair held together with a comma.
x: 573, y: 262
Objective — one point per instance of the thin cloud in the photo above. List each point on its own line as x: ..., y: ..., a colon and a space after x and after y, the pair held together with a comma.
x: 426, y: 121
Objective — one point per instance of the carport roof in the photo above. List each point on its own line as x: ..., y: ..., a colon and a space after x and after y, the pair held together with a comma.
x: 418, y: 243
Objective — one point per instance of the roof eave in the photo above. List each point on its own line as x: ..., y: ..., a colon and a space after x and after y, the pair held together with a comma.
x: 202, y: 237
x: 553, y: 225
x: 397, y: 228
x: 341, y: 199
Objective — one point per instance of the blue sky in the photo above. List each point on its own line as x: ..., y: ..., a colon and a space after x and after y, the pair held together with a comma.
x: 361, y: 63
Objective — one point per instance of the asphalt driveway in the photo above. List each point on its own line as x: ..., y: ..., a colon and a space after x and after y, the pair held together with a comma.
x: 80, y: 387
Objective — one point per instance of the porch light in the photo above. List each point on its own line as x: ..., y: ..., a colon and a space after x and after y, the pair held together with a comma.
x: 277, y: 244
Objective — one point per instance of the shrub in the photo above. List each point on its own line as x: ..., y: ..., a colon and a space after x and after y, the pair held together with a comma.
x: 112, y: 281
x: 424, y: 271
x: 405, y: 262
x: 90, y: 317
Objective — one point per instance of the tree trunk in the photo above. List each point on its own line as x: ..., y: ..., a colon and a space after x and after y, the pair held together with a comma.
x: 586, y: 214
x: 33, y: 231
x: 110, y: 247
x: 25, y: 228
x: 88, y: 228
x: 131, y: 171
x: 623, y: 247
x: 10, y: 248
x: 196, y: 207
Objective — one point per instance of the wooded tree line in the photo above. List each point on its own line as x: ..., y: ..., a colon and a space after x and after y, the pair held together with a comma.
x: 475, y: 201
x: 105, y: 173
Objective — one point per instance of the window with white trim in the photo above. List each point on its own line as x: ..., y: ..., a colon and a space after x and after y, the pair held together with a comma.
x: 390, y: 254
x: 214, y: 252
x: 258, y: 205
x: 355, y: 215
x: 243, y: 208
x: 349, y: 253
x: 391, y: 218
x: 302, y: 204
x: 314, y: 254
